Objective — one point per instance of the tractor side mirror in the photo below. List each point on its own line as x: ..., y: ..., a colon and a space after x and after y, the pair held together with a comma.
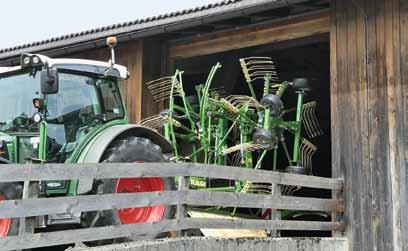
x: 49, y: 81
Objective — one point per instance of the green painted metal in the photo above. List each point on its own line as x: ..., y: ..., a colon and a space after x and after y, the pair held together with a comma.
x: 42, y: 152
x: 220, y: 130
x: 298, y: 128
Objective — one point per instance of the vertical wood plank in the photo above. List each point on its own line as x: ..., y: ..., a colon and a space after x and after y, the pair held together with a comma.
x: 30, y: 190
x: 362, y: 87
x: 335, y: 121
x: 343, y: 109
x: 181, y: 213
x: 275, y: 214
x: 354, y: 133
x: 153, y: 66
x: 134, y: 92
x: 403, y: 13
x: 393, y: 85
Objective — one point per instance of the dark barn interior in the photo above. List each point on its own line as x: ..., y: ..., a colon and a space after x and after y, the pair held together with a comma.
x: 299, y: 59
x: 308, y: 58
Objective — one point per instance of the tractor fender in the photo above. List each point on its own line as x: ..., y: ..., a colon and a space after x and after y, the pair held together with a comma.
x: 98, y: 146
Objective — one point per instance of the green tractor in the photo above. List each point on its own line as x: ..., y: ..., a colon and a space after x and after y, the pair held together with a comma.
x: 71, y: 111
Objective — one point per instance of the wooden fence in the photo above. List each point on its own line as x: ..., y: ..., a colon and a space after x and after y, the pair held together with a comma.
x: 31, y: 206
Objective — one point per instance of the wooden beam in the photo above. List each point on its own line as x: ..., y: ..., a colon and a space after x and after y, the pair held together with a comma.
x: 109, y: 232
x: 86, y: 203
x: 251, y: 36
x: 134, y: 84
x: 12, y: 173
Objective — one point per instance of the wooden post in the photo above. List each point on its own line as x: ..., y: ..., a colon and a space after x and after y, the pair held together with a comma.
x: 26, y: 225
x: 275, y: 213
x: 183, y: 184
x: 337, y: 217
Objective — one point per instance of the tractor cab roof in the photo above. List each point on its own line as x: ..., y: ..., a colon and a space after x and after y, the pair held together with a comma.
x: 82, y: 65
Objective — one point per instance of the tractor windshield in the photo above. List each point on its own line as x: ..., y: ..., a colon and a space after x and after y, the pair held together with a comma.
x: 80, y: 102
x: 16, y: 101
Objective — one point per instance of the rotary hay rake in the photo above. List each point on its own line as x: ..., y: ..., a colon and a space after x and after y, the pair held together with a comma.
x: 238, y: 130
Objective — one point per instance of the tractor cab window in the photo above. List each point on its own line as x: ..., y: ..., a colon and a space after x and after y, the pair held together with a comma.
x: 112, y: 105
x: 16, y: 95
x: 74, y: 108
x: 81, y: 104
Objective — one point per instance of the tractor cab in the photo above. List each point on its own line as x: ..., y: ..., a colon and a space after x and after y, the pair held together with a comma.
x: 50, y: 106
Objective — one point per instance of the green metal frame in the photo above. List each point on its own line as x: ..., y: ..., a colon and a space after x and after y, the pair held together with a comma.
x: 210, y: 128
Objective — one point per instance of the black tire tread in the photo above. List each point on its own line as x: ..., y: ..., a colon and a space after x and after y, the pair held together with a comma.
x: 124, y: 151
x: 12, y: 191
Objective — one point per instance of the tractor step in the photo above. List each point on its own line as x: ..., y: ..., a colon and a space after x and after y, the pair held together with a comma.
x: 59, y: 219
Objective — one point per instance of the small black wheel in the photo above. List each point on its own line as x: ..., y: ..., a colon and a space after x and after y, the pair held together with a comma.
x: 134, y: 150
x: 263, y: 136
x: 10, y: 191
x: 301, y: 84
x: 273, y: 102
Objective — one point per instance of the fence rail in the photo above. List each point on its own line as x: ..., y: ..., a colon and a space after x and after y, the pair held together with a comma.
x: 30, y: 207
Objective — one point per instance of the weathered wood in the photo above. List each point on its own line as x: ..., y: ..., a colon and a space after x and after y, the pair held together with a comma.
x: 275, y: 214
x: 152, y: 69
x: 100, y: 233
x: 368, y: 48
x: 10, y: 173
x: 134, y: 85
x: 251, y: 36
x: 334, y: 95
x: 403, y: 120
x: 85, y: 203
x: 206, y: 244
x: 181, y: 212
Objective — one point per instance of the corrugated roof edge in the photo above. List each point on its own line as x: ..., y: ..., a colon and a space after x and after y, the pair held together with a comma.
x: 141, y: 25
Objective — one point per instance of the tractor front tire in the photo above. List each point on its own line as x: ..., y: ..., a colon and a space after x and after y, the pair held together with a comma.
x: 135, y: 150
x: 10, y: 191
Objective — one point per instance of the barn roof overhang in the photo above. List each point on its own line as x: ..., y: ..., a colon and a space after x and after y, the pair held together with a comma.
x: 214, y: 17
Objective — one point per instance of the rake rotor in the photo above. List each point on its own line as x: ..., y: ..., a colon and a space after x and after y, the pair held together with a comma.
x: 248, y: 147
x: 306, y: 152
x: 239, y: 130
x: 164, y: 88
x: 154, y: 122
x: 258, y: 68
x: 310, y: 121
x: 240, y: 101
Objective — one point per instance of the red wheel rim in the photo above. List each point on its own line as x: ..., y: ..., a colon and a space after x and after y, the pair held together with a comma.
x: 139, y: 185
x: 4, y: 223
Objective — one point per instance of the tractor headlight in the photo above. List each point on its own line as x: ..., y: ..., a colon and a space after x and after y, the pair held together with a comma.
x: 37, y: 117
x: 26, y: 61
x: 29, y: 60
x: 36, y: 60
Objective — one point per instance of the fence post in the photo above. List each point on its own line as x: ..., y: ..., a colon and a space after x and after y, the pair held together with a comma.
x: 275, y: 213
x: 183, y: 185
x: 30, y: 190
x: 337, y: 194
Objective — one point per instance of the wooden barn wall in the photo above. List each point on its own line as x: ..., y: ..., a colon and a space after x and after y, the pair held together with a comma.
x: 369, y: 71
x: 144, y: 62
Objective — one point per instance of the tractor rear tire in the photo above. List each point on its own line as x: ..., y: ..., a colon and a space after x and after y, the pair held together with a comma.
x: 10, y: 191
x: 135, y: 150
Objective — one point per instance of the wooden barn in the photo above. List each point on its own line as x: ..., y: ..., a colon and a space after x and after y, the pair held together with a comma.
x: 355, y: 51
